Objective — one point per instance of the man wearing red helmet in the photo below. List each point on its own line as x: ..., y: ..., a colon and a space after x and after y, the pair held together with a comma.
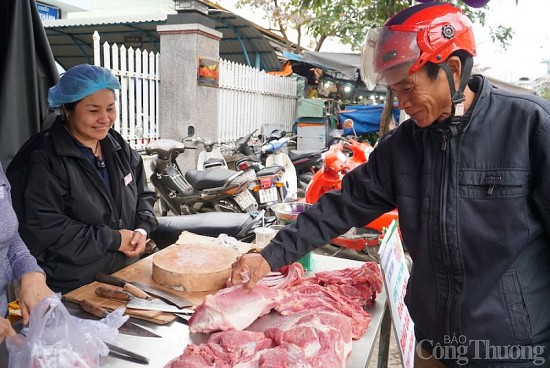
x: 469, y: 174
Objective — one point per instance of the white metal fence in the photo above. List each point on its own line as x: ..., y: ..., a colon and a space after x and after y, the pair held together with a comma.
x: 137, y: 100
x: 248, y: 98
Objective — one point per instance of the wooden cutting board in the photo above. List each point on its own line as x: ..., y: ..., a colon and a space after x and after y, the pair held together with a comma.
x: 194, y: 267
x: 141, y: 271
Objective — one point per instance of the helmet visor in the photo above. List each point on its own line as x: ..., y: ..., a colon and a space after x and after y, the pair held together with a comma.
x: 387, y: 56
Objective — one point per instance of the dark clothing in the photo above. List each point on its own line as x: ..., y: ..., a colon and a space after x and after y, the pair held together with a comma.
x: 474, y: 213
x: 68, y: 218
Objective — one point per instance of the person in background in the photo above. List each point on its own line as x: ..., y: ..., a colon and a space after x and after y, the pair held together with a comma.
x: 79, y: 189
x: 16, y: 263
x: 469, y: 173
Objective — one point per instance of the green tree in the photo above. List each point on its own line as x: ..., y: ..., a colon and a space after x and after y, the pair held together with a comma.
x: 283, y: 15
x: 349, y: 21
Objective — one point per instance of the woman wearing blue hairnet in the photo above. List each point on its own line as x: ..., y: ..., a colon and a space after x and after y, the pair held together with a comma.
x: 78, y: 188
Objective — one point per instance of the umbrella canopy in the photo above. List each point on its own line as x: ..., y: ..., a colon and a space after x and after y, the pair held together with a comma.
x: 27, y: 70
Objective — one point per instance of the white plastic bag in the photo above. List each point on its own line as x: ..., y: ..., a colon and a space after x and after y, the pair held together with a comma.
x: 54, y: 338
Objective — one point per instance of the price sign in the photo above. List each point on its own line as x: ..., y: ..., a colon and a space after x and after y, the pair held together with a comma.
x: 396, y: 276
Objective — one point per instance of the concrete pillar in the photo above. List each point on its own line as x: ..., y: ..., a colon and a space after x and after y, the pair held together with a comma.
x: 183, y: 102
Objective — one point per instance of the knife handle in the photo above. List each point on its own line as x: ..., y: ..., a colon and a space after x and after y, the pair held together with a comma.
x: 135, y: 291
x: 93, y: 309
x: 109, y: 279
x: 113, y: 280
x: 113, y: 293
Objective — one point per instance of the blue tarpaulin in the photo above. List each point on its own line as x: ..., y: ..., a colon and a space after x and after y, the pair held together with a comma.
x: 366, y: 118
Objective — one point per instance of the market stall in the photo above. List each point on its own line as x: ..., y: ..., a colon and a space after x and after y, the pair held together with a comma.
x: 175, y: 333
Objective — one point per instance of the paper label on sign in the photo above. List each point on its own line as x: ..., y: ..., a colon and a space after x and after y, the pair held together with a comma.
x: 128, y: 179
x: 396, y: 275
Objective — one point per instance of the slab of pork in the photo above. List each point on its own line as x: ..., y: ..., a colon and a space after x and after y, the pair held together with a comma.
x: 233, y: 308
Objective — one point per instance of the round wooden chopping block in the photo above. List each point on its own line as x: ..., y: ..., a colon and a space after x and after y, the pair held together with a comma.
x: 193, y: 267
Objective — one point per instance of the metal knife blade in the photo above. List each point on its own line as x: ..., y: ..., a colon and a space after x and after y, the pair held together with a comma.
x: 156, y: 305
x: 164, y: 295
x: 129, y: 328
x: 130, y: 354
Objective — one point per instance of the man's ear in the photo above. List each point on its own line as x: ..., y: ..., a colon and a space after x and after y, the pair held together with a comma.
x: 455, y: 65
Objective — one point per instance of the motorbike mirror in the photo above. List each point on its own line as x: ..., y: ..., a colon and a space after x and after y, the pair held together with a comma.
x: 348, y: 124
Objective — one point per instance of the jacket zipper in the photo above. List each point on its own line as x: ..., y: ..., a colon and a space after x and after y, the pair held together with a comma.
x: 447, y: 136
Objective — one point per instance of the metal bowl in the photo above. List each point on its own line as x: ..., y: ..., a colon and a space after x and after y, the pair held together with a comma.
x: 287, y: 212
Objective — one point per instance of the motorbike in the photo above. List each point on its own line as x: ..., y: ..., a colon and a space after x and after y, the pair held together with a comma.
x: 211, y: 156
x: 274, y: 151
x: 237, y: 225
x: 340, y: 159
x: 214, y: 190
x: 306, y: 163
x: 267, y: 182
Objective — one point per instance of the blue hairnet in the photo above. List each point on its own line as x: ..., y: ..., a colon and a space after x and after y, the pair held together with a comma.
x: 81, y: 81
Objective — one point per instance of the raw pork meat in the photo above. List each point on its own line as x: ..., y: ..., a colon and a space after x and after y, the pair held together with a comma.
x: 223, y: 349
x: 361, y: 283
x: 323, y: 337
x: 317, y: 297
x: 233, y: 308
x: 309, y: 339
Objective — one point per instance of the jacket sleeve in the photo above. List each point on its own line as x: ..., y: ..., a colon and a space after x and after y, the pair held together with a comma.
x: 364, y: 197
x: 540, y: 153
x: 145, y: 216
x: 45, y: 224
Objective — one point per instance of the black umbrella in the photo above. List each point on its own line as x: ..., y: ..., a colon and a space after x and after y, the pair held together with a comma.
x: 27, y: 70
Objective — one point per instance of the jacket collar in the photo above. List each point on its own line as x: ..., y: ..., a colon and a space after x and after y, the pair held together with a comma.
x: 64, y: 143
x: 481, y: 87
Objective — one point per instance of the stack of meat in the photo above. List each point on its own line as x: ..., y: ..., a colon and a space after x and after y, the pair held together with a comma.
x: 318, y: 318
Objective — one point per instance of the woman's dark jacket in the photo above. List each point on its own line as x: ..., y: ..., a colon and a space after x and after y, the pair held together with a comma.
x: 68, y: 218
x: 474, y: 213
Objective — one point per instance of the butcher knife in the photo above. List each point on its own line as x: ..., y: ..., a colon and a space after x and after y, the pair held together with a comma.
x: 127, y: 328
x: 157, y: 305
x: 159, y: 293
x: 168, y: 297
x: 115, y: 281
x: 130, y: 354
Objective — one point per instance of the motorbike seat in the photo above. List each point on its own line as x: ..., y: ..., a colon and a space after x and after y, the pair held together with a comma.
x: 298, y: 155
x: 213, y: 178
x: 214, y: 162
x: 270, y: 170
x: 238, y: 225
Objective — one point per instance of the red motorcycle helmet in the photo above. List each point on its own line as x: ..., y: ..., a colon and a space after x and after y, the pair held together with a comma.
x: 421, y: 33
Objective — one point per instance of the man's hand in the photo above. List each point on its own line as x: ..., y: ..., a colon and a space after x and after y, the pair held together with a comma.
x: 249, y: 269
x: 5, y: 329
x: 132, y: 243
x: 33, y: 289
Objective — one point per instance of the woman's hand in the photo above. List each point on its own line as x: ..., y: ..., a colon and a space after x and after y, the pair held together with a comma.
x: 32, y: 289
x: 132, y: 243
x: 5, y: 329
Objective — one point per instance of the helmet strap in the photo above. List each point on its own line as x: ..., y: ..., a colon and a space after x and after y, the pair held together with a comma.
x: 457, y: 96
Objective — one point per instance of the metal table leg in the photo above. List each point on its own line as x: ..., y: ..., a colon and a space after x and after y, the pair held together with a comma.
x: 384, y: 342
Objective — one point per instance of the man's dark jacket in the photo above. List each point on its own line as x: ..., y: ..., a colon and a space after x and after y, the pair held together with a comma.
x: 474, y: 213
x: 68, y: 218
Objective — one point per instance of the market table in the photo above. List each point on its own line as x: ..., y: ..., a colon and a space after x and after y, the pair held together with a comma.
x: 175, y: 335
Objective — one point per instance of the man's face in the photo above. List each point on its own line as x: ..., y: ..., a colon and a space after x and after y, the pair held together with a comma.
x: 425, y: 100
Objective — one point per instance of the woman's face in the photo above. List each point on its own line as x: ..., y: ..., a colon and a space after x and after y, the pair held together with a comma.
x: 92, y: 117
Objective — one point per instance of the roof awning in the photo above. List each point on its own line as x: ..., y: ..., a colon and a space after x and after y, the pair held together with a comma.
x: 71, y: 39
